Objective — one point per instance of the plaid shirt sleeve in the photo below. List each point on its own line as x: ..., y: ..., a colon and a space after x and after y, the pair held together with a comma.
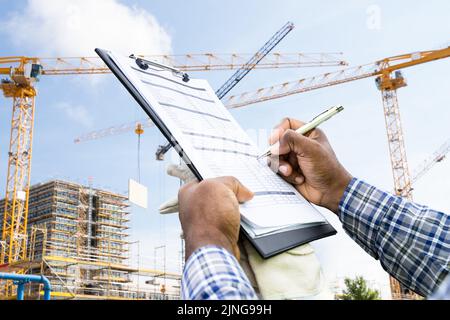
x: 212, y: 273
x: 411, y: 241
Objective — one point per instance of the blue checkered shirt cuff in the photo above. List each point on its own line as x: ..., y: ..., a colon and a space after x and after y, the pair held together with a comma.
x: 212, y: 273
x: 411, y: 241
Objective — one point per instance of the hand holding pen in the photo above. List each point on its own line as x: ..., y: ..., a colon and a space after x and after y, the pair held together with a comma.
x: 321, y: 118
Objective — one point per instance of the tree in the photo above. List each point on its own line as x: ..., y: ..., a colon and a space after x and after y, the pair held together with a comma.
x: 357, y: 289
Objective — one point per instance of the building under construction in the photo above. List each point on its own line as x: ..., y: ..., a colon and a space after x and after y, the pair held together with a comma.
x: 78, y: 239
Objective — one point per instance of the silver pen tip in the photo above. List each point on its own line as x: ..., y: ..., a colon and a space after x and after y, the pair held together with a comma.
x: 265, y: 154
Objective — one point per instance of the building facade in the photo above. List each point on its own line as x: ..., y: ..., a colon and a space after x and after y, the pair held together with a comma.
x: 78, y: 238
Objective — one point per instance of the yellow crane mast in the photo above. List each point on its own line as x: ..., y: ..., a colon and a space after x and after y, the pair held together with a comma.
x: 19, y: 87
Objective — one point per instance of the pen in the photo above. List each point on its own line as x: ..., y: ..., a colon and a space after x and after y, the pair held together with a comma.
x: 321, y: 118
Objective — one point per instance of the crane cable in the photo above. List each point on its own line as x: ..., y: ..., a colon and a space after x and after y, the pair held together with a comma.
x: 139, y: 131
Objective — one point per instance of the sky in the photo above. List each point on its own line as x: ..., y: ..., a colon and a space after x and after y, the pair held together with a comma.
x: 365, y: 31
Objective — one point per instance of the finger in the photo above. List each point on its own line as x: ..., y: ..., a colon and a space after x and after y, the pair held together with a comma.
x: 274, y: 162
x: 289, y: 123
x: 292, y: 141
x: 275, y: 135
x: 284, y: 168
x: 293, y: 160
x: 295, y: 178
x: 299, y: 180
x: 289, y: 172
x: 317, y: 134
x: 285, y: 124
x: 242, y: 193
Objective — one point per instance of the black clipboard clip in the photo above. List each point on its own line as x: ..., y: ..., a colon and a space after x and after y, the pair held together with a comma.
x: 144, y: 65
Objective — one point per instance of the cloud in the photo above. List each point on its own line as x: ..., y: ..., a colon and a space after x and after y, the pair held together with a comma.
x: 77, y: 113
x: 77, y: 27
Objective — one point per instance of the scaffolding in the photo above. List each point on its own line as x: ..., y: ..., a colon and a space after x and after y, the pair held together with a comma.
x: 77, y: 238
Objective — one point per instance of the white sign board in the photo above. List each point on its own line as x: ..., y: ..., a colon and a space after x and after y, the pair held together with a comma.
x: 137, y: 193
x: 21, y: 195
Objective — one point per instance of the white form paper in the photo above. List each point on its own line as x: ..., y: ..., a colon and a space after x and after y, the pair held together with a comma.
x: 218, y: 146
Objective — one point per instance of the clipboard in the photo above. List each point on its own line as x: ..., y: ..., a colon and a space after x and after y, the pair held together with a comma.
x: 267, y: 246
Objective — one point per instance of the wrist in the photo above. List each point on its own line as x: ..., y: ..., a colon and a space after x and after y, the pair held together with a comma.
x: 196, y: 239
x: 337, y: 190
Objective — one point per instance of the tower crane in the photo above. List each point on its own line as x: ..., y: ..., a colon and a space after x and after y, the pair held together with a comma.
x: 20, y: 77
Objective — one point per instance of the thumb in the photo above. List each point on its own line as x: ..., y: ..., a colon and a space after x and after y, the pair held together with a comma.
x: 242, y: 193
x: 292, y: 141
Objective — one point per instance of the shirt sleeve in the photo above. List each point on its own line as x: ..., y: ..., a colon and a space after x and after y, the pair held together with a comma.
x: 411, y: 241
x: 212, y: 273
